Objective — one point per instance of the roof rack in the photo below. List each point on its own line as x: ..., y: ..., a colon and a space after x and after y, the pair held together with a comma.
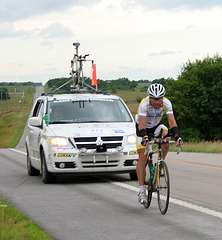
x: 77, y: 80
x: 71, y: 92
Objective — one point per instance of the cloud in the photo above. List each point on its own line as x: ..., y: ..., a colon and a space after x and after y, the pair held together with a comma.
x: 169, y: 4
x: 163, y: 52
x: 11, y: 10
x: 7, y: 31
x: 56, y: 30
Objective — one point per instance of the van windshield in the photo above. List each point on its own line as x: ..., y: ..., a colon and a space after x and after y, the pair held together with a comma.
x: 83, y: 111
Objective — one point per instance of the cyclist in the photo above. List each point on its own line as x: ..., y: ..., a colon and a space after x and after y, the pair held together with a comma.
x: 148, y: 120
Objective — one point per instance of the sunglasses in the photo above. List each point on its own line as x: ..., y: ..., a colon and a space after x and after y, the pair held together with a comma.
x: 157, y: 99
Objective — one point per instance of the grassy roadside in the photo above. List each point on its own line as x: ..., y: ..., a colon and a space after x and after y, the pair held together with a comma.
x: 14, y: 225
x: 14, y: 114
x: 200, y: 147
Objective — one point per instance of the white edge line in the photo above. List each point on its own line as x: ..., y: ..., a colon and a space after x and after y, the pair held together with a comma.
x: 175, y: 201
x: 172, y: 200
x: 18, y: 151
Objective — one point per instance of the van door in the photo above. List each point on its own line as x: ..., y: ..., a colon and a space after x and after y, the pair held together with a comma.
x: 35, y: 134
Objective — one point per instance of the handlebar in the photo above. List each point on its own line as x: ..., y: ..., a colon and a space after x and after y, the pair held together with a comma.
x: 162, y: 141
x: 180, y: 146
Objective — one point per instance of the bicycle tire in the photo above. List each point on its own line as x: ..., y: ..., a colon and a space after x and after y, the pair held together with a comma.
x: 163, y: 189
x: 149, y: 186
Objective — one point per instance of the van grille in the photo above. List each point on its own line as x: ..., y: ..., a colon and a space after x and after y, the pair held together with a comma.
x: 98, y: 143
x: 100, y: 164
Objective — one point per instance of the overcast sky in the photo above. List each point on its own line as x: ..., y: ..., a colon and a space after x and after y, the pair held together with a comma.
x: 137, y: 39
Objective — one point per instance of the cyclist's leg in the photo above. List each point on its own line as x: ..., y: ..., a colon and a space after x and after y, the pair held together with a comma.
x: 141, y: 172
x: 140, y: 168
x: 165, y: 147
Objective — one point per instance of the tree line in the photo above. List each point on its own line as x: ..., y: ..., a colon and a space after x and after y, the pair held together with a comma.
x: 20, y: 83
x: 104, y: 85
x: 196, y: 97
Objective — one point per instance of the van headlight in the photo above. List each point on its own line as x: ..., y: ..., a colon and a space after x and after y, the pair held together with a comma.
x: 58, y: 141
x: 131, y: 139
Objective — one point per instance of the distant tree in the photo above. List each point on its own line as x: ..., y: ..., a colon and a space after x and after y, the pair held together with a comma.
x: 4, y: 94
x: 114, y: 89
x: 133, y: 85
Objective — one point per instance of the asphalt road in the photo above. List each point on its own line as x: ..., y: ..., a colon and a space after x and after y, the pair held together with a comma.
x: 107, y: 208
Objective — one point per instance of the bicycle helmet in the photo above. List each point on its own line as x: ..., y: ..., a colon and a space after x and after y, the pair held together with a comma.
x: 156, y: 90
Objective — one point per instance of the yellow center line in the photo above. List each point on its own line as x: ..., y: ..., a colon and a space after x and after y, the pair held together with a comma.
x: 197, y: 164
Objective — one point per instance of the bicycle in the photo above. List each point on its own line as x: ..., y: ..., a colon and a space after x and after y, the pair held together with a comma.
x: 157, y: 175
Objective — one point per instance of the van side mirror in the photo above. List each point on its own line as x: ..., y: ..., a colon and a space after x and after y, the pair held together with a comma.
x: 34, y: 121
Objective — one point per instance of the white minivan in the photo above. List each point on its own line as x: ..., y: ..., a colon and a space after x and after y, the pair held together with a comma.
x: 80, y: 133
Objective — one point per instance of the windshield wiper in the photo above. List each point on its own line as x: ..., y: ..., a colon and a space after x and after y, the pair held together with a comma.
x: 60, y: 122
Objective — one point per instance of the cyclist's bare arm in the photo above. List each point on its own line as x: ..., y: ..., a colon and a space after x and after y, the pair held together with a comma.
x: 142, y: 125
x: 142, y: 122
x: 172, y: 123
x: 171, y: 120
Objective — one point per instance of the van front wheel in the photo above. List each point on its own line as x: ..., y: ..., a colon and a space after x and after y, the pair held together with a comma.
x: 31, y: 170
x: 133, y: 176
x: 47, y: 177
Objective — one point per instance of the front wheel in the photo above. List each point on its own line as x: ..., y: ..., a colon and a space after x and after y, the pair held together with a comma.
x: 133, y: 176
x: 163, y: 187
x: 149, y: 185
x: 30, y: 169
x: 47, y: 177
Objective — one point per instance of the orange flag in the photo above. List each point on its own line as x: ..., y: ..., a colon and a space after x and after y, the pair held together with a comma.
x: 94, y: 79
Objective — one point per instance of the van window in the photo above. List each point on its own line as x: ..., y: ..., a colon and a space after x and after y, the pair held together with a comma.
x: 101, y: 110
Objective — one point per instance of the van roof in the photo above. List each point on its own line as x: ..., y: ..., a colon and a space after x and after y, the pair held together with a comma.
x: 79, y: 97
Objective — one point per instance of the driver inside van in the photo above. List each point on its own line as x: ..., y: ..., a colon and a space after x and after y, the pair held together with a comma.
x: 58, y: 113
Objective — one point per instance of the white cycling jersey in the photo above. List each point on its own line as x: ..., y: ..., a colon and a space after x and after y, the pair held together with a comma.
x: 153, y: 116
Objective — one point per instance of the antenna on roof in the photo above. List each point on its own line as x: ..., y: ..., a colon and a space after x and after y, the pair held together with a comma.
x: 77, y: 80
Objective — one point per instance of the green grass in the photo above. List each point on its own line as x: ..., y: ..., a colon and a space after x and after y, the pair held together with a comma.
x: 15, y: 226
x: 132, y: 99
x: 14, y: 114
x: 200, y: 147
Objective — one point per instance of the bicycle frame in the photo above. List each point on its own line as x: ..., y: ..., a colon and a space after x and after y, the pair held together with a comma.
x: 155, y: 180
x: 161, y: 174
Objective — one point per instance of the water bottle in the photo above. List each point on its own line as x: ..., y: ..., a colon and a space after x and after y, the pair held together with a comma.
x: 152, y: 169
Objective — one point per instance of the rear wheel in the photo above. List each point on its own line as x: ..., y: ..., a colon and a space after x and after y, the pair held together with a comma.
x: 30, y: 169
x: 163, y: 190
x: 47, y: 177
